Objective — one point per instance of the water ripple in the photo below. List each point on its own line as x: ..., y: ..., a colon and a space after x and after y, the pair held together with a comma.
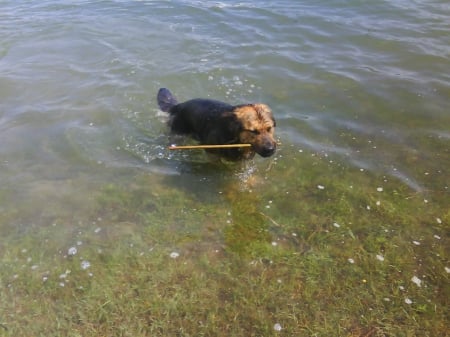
x: 373, y: 72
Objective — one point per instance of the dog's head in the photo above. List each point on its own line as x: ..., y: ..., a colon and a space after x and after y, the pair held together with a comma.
x: 256, y: 127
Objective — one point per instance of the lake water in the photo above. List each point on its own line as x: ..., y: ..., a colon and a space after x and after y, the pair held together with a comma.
x: 363, y: 85
x: 79, y: 78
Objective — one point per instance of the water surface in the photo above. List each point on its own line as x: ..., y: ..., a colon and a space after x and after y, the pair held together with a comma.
x: 364, y: 87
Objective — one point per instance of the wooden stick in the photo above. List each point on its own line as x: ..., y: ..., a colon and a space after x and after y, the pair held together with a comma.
x: 218, y: 146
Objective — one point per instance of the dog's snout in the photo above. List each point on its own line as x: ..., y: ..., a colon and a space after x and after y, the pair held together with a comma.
x: 268, y: 149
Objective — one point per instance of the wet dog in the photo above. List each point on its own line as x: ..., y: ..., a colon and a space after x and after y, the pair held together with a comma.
x: 213, y: 122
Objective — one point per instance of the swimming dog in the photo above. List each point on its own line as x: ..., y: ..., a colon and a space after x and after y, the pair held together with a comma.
x: 213, y: 122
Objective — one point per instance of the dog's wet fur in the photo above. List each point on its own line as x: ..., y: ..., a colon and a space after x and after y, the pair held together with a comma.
x: 213, y: 122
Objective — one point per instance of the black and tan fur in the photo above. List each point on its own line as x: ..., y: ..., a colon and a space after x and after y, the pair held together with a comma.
x: 213, y: 122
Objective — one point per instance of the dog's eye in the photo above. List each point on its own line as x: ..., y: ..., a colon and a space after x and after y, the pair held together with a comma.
x: 255, y: 132
x: 269, y: 129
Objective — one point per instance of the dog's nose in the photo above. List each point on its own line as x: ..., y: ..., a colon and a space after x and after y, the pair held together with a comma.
x: 268, y: 150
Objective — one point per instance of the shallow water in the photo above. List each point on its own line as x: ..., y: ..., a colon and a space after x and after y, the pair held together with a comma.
x: 79, y: 79
x: 365, y: 86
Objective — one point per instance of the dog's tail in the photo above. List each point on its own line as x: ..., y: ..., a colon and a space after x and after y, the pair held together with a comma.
x: 166, y: 100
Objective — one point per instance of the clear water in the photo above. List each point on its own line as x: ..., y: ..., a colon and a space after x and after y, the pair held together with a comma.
x: 366, y: 83
x: 358, y: 188
x: 78, y: 79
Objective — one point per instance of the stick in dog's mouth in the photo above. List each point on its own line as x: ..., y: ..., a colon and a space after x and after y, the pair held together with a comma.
x: 217, y: 146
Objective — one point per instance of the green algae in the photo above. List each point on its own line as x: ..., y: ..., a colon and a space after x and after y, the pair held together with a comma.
x: 319, y: 248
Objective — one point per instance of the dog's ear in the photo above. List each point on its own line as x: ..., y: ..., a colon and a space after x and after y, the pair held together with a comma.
x: 231, y: 127
x: 234, y: 125
x: 264, y: 110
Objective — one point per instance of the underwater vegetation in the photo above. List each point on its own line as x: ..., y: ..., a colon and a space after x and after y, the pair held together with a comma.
x: 302, y: 247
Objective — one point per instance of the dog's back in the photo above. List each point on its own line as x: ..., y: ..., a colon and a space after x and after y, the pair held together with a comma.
x: 197, y: 116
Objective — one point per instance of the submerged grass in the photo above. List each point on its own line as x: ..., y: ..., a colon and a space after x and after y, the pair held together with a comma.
x: 314, y: 248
